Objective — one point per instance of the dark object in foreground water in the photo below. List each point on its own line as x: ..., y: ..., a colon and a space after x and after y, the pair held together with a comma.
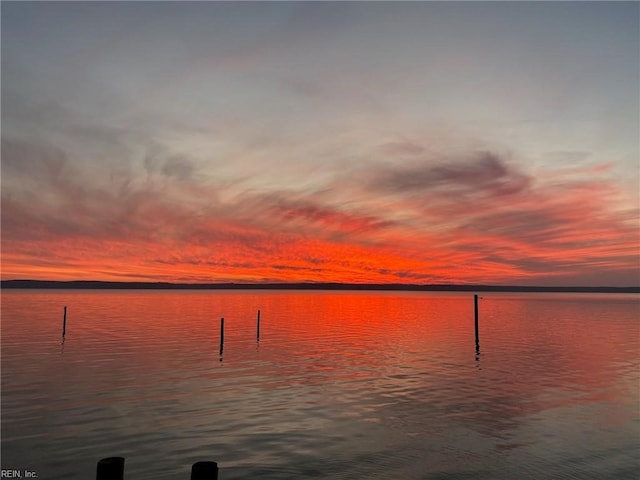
x: 111, y: 468
x: 204, y: 471
x: 64, y: 322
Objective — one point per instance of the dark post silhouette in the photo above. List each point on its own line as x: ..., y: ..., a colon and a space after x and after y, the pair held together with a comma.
x: 475, y: 305
x: 204, y: 471
x: 221, y: 336
x: 64, y: 321
x: 111, y: 468
x: 258, y: 327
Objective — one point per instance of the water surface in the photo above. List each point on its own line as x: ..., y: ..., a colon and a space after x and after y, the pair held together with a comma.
x: 340, y: 385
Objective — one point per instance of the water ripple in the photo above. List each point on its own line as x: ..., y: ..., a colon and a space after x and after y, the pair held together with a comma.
x: 340, y: 385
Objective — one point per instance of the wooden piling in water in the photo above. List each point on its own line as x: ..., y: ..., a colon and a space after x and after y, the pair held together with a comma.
x: 258, y: 327
x: 64, y: 322
x: 475, y: 307
x: 204, y: 471
x: 221, y: 334
x: 111, y: 468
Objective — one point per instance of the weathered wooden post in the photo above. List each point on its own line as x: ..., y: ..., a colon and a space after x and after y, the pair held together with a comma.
x: 475, y: 306
x: 64, y: 322
x: 204, y: 471
x: 258, y: 327
x: 221, y: 335
x: 111, y: 468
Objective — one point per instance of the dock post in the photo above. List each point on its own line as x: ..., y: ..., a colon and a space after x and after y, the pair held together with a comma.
x: 111, y: 468
x: 64, y: 322
x: 221, y: 336
x: 204, y: 471
x: 475, y: 305
x: 258, y: 327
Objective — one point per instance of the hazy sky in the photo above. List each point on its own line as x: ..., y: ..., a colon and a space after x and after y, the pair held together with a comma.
x: 418, y: 142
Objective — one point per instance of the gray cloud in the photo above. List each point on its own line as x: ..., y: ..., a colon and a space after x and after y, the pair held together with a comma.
x: 178, y: 167
x: 21, y: 159
x: 402, y: 148
x: 483, y: 172
x: 160, y: 161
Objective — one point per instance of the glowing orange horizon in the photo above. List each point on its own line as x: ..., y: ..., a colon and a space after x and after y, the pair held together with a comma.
x: 296, y: 260
x: 479, y: 222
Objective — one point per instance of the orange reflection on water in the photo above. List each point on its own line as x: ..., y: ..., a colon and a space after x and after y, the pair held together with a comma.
x: 537, y: 352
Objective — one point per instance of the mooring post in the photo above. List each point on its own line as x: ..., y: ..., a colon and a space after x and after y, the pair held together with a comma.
x: 111, y: 468
x: 221, y: 336
x: 258, y: 327
x: 475, y: 306
x: 204, y: 471
x: 64, y: 322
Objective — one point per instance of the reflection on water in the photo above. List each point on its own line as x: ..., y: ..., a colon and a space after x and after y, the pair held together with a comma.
x: 330, y: 385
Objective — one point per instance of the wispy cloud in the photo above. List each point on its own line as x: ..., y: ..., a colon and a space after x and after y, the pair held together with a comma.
x: 428, y: 142
x: 482, y: 173
x: 477, y: 219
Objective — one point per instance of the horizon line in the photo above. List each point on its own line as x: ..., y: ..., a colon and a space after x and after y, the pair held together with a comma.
x: 163, y: 285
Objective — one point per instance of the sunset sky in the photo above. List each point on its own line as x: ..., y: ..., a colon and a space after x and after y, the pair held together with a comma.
x: 382, y: 142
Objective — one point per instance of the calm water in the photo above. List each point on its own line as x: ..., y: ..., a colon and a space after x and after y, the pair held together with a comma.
x: 340, y: 386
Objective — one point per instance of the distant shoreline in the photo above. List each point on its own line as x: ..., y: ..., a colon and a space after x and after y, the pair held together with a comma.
x: 101, y: 285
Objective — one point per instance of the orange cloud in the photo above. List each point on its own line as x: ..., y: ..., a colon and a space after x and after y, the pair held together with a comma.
x: 474, y: 220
